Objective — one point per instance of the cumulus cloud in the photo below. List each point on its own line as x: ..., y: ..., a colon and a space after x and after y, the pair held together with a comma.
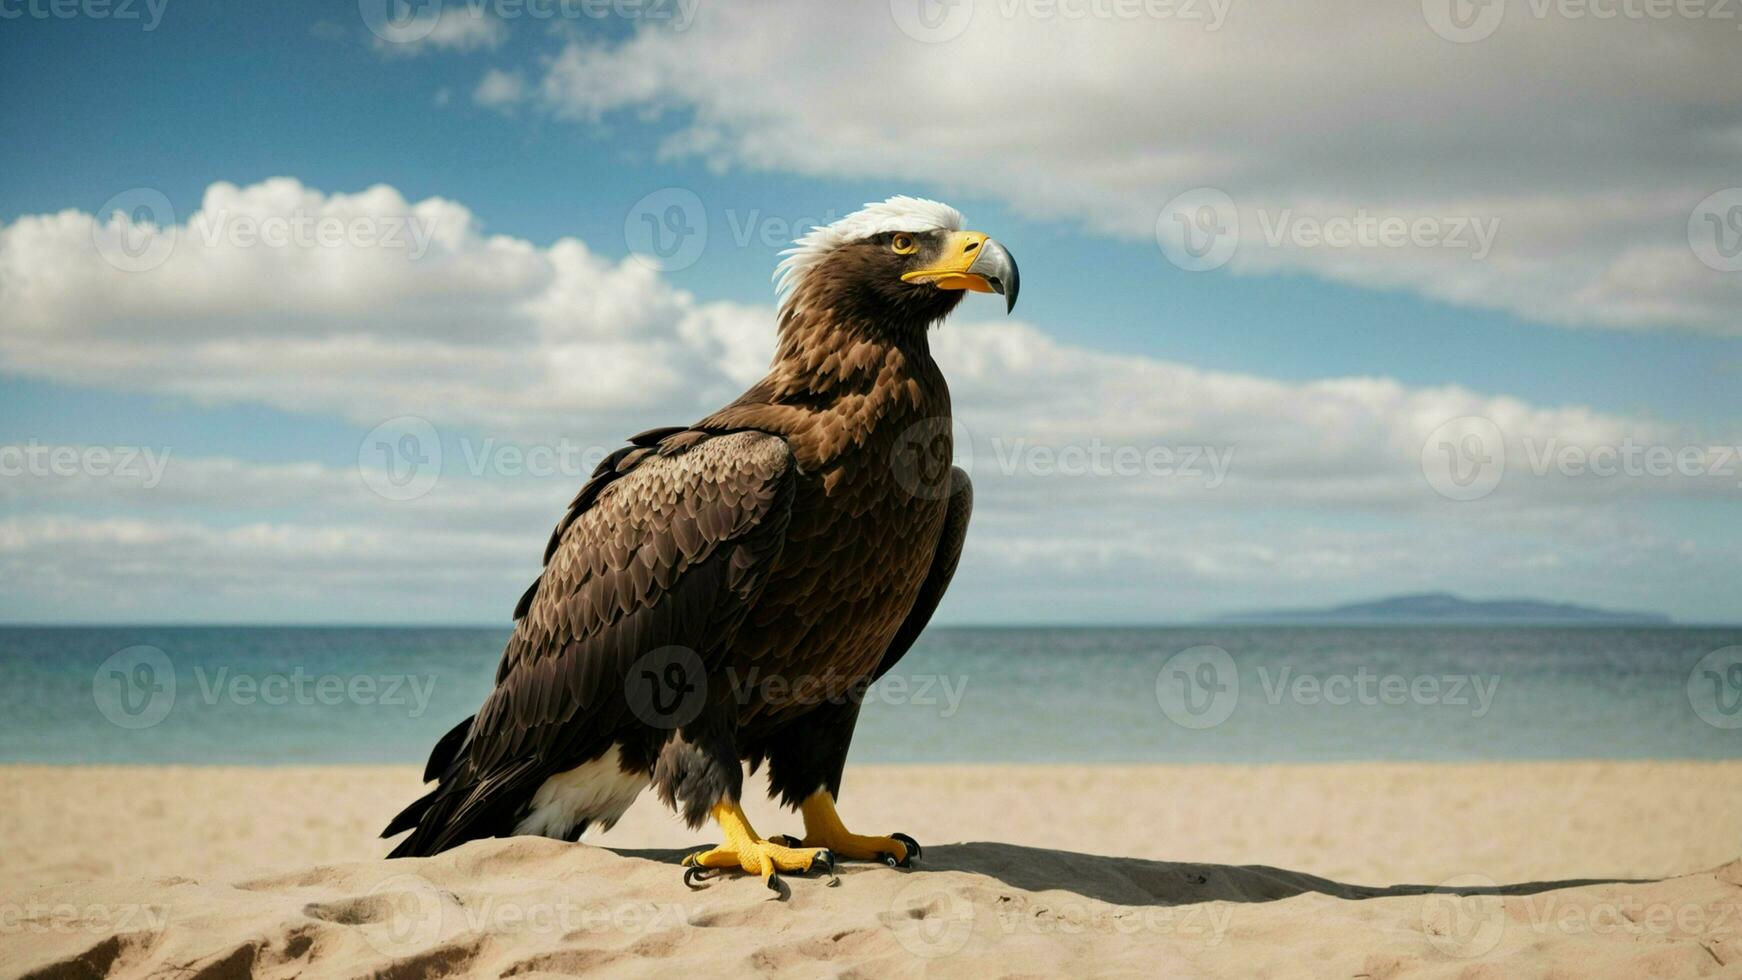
x: 450, y: 27
x: 499, y: 89
x: 241, y: 541
x: 1561, y: 140
x: 1026, y: 400
x: 364, y: 306
x: 1116, y: 478
x: 120, y: 569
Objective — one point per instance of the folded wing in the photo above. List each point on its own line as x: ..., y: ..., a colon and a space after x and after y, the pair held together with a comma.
x: 666, y: 546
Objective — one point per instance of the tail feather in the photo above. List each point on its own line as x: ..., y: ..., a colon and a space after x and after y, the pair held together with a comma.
x: 425, y: 815
x: 462, y: 808
x: 441, y: 758
x: 469, y: 800
x: 409, y: 816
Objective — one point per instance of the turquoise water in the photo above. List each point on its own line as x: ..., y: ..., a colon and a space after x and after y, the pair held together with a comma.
x: 1185, y: 694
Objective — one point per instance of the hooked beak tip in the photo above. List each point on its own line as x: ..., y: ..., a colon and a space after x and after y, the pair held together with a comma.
x: 996, y: 265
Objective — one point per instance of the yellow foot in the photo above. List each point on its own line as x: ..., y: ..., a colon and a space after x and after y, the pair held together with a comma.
x: 823, y: 828
x: 745, y: 851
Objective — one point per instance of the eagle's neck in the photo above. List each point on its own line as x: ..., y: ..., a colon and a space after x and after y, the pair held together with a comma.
x: 839, y: 387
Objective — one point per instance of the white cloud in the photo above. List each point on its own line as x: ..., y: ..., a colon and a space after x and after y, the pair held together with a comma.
x: 409, y: 309
x: 220, y: 538
x: 130, y: 570
x: 457, y: 27
x: 512, y: 349
x: 1566, y: 136
x: 500, y: 89
x: 1337, y: 443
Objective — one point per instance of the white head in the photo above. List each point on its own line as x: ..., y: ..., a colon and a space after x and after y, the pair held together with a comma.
x: 906, y: 260
x: 899, y: 213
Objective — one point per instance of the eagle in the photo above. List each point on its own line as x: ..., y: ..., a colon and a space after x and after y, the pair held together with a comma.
x: 723, y: 593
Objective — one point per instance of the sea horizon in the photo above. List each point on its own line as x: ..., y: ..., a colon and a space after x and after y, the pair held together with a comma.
x: 220, y: 694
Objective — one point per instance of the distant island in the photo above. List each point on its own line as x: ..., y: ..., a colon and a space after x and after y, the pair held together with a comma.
x: 1444, y: 607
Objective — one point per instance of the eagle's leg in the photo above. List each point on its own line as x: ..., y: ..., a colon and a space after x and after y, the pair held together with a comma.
x: 744, y: 849
x: 823, y: 828
x: 805, y: 761
x: 698, y: 773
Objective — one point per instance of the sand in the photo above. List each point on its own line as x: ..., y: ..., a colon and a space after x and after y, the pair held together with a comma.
x: 1359, y: 870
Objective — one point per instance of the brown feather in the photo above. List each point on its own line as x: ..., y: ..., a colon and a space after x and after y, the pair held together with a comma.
x: 788, y: 532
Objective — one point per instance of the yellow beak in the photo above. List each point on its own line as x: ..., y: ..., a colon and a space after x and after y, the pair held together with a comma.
x: 971, y: 260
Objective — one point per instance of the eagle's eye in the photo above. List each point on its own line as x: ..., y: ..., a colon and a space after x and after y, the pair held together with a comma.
x: 903, y: 244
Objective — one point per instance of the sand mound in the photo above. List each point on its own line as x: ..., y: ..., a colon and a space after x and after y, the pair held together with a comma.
x: 527, y: 906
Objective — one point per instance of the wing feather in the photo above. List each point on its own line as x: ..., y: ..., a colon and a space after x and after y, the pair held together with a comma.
x: 658, y: 549
x: 937, y: 579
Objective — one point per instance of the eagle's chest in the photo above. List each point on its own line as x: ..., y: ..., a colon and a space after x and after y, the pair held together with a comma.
x: 853, y: 557
x: 859, y: 545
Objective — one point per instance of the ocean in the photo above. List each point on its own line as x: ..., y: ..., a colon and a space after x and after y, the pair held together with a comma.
x: 1225, y: 694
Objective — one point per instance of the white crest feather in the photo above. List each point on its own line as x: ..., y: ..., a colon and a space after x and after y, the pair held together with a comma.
x: 899, y: 213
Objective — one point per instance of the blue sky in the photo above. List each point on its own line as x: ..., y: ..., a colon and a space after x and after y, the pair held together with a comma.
x: 242, y: 92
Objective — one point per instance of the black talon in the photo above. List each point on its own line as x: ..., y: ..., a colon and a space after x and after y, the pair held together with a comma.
x: 888, y: 858
x: 692, y: 875
x: 786, y: 840
x: 774, y: 884
x: 912, y: 845
x: 825, y: 862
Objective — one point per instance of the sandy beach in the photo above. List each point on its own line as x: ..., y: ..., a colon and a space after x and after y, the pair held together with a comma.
x: 1371, y: 870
